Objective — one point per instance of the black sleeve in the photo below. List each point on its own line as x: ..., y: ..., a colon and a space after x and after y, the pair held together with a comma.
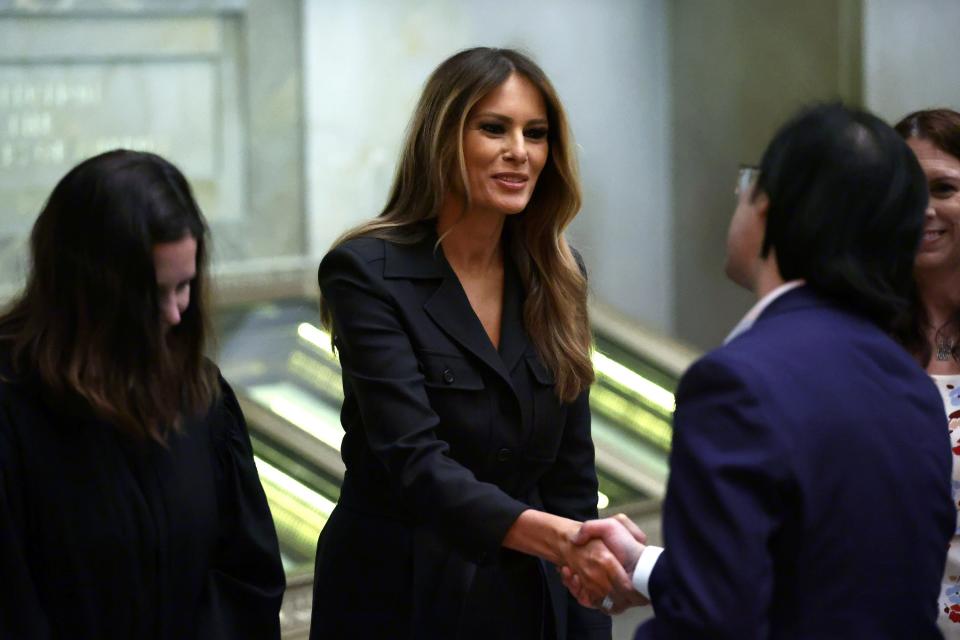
x: 245, y: 585
x: 21, y: 615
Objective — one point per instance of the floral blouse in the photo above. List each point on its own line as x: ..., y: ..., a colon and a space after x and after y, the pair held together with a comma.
x: 949, y: 600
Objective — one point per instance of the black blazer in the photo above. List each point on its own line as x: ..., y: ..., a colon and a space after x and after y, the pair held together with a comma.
x: 446, y: 442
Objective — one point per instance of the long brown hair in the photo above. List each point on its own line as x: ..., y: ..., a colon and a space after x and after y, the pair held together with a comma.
x: 555, y: 311
x: 87, y: 326
x: 941, y: 127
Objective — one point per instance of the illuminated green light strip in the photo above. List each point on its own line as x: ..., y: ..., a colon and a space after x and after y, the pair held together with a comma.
x: 317, y: 337
x: 303, y: 417
x: 633, y: 381
x: 641, y: 421
x: 298, y: 512
x: 317, y: 374
x: 291, y: 487
x: 294, y: 531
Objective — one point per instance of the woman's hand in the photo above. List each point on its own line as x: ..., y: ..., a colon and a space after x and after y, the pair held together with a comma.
x: 626, y: 541
x: 598, y: 570
x: 558, y: 540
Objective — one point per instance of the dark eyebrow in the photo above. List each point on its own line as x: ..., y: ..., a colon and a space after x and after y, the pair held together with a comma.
x: 944, y: 174
x: 499, y: 116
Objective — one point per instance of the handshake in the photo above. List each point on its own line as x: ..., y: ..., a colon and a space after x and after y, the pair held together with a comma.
x: 598, y: 567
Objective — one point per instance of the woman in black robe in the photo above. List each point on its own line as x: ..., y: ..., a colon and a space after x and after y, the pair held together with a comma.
x: 130, y: 506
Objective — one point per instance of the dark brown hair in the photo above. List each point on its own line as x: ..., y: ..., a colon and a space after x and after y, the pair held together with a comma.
x: 431, y: 163
x: 941, y: 127
x: 87, y: 326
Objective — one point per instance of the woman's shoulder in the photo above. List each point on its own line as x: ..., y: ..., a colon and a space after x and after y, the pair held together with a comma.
x: 356, y: 255
x: 370, y: 248
x: 367, y: 248
x: 226, y: 412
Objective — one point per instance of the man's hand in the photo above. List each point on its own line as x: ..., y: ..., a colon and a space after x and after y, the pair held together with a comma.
x: 626, y: 542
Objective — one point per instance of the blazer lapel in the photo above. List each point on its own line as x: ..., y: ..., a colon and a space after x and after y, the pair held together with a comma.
x: 451, y: 310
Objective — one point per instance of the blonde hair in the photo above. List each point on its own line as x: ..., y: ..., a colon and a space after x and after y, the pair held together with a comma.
x: 555, y: 310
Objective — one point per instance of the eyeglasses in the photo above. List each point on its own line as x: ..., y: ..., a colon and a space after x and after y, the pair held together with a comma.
x: 746, y: 178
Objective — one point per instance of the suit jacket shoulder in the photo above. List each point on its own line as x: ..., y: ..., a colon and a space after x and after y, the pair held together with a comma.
x: 368, y: 249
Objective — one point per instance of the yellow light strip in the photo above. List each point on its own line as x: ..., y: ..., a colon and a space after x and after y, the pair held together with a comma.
x: 633, y: 381
x: 316, y: 336
x: 299, y: 513
x: 296, y: 533
x: 301, y: 415
x: 302, y: 493
x: 315, y: 373
x: 636, y: 417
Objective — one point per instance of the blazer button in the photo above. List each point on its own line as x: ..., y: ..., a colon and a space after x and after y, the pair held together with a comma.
x: 448, y: 376
x: 504, y: 455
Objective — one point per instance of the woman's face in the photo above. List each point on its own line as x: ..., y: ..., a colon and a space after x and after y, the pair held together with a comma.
x: 505, y: 146
x: 175, y: 264
x: 940, y: 247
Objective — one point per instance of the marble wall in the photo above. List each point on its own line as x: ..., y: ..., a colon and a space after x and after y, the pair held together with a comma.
x: 911, y: 53
x: 365, y: 64
x: 213, y: 85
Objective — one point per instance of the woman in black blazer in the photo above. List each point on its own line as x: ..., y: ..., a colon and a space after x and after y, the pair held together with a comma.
x: 460, y: 319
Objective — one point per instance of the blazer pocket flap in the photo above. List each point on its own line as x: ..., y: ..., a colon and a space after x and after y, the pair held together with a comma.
x: 444, y: 371
x: 540, y: 372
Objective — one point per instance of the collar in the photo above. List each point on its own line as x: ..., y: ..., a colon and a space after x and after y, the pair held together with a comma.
x: 420, y: 259
x: 761, y: 305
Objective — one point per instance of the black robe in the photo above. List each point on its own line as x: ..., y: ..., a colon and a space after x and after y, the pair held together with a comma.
x: 103, y: 537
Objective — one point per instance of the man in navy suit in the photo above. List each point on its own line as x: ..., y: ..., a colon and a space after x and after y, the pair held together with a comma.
x: 809, y: 494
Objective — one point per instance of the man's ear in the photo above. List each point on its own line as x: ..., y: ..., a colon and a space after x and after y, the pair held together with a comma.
x: 761, y: 204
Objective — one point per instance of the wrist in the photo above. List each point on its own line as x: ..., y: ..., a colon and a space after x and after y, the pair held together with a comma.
x: 642, y: 572
x: 542, y: 534
x: 562, y: 545
x: 631, y: 565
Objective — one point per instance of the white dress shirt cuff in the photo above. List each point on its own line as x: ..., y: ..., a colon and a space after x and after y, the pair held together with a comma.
x: 641, y: 573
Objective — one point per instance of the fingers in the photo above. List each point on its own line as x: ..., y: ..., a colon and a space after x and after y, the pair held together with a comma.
x: 621, y: 599
x: 591, y: 529
x: 593, y: 572
x: 619, y: 579
x: 572, y: 582
x: 599, y: 570
x: 632, y: 527
x: 606, y: 530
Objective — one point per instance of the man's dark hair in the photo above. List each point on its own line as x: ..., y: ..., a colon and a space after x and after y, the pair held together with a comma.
x: 847, y: 200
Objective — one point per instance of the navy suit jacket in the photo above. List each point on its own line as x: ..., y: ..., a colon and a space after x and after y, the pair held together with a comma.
x: 809, y: 494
